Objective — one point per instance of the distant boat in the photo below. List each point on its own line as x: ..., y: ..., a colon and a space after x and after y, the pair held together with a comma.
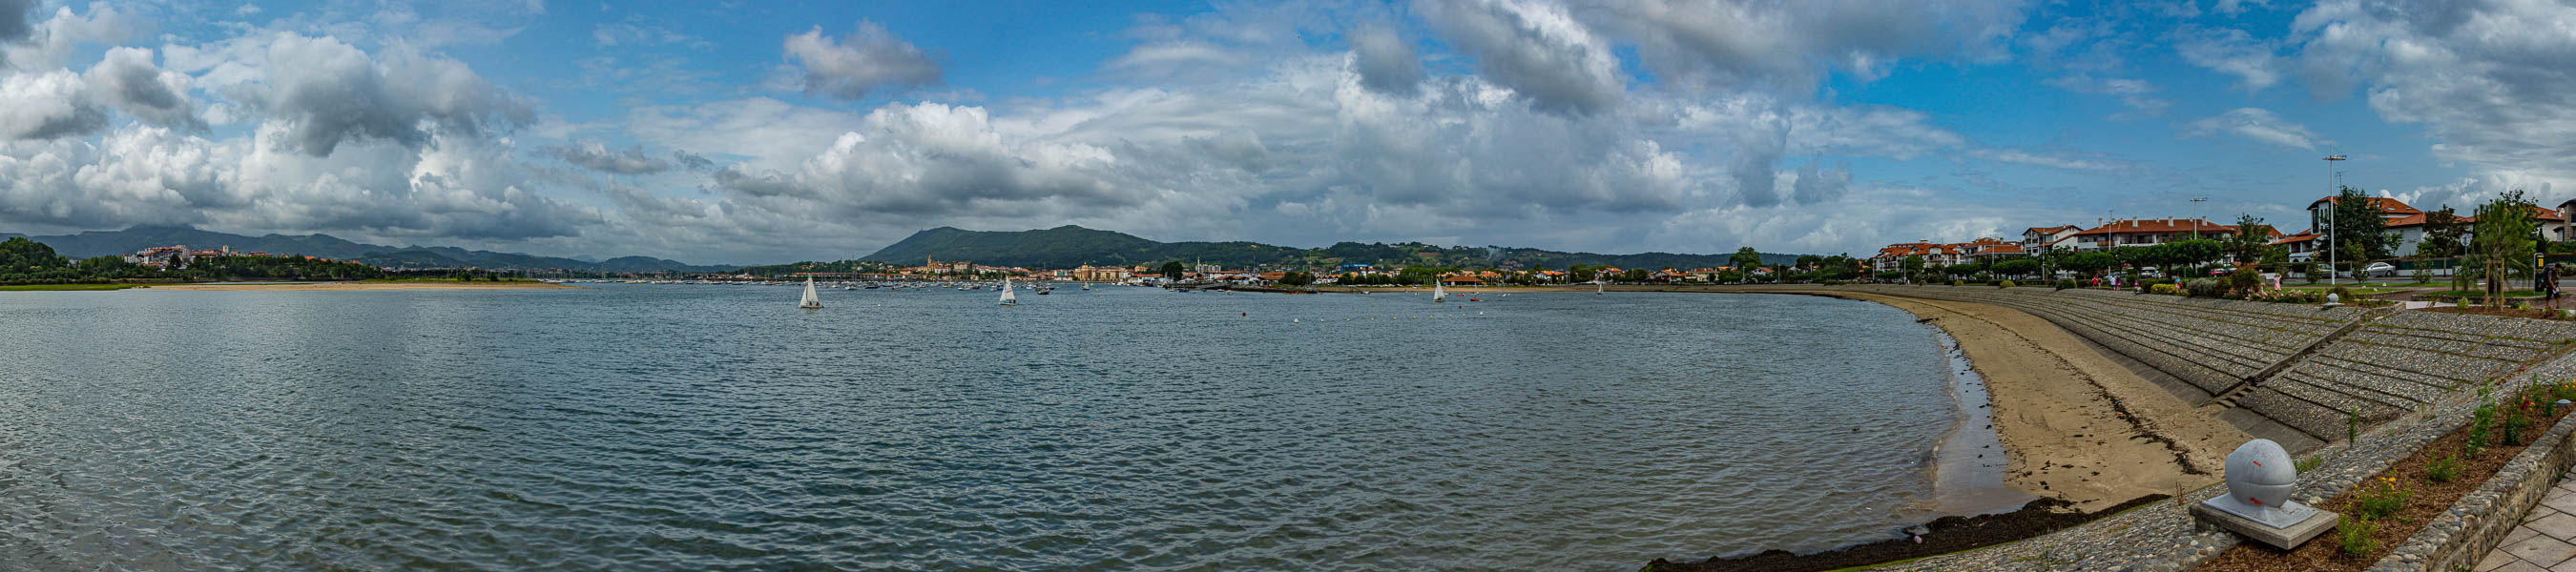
x: 1007, y: 298
x: 1438, y: 291
x: 811, y: 301
x: 1596, y: 288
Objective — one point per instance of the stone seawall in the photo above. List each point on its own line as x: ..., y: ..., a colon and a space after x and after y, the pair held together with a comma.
x: 2238, y: 355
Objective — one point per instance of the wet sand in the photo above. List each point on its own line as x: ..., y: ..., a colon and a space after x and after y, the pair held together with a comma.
x: 2075, y: 425
x: 313, y: 286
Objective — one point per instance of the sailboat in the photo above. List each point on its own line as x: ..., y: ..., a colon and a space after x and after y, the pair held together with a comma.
x: 811, y: 302
x: 1438, y: 292
x: 1596, y: 287
x: 1007, y: 298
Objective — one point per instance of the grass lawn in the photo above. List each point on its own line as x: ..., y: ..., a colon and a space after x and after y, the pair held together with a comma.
x: 67, y: 287
x: 2322, y: 288
x: 2480, y: 293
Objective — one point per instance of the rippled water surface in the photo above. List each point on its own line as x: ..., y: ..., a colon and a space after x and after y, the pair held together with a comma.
x: 708, y: 428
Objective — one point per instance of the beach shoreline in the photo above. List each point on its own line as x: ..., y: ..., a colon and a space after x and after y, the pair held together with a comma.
x: 345, y: 286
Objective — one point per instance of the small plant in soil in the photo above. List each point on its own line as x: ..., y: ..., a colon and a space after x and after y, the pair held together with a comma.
x: 2356, y: 538
x: 2442, y: 469
x: 2516, y: 420
x: 2380, y: 498
x: 2311, y: 463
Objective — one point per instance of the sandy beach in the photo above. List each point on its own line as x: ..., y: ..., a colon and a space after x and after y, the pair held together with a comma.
x: 2077, y: 426
x: 315, y: 286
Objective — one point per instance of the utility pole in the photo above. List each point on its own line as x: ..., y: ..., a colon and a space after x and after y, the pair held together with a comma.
x: 2334, y: 202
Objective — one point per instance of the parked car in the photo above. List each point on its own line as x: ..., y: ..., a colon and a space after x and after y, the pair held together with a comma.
x: 2214, y: 272
x: 2379, y: 269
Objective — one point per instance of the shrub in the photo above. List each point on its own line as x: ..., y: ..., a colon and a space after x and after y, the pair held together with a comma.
x: 2442, y: 469
x: 2380, y: 499
x: 2202, y: 287
x: 2163, y: 288
x: 1954, y: 282
x: 2356, y: 537
x: 2005, y: 284
x: 2066, y: 283
x: 2516, y: 420
x: 2342, y: 294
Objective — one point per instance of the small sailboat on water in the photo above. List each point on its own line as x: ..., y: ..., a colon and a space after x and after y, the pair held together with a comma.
x: 1438, y: 292
x: 1596, y: 287
x: 811, y: 302
x: 1007, y: 298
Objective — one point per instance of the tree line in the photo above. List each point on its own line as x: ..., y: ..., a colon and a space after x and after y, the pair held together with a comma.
x: 24, y: 261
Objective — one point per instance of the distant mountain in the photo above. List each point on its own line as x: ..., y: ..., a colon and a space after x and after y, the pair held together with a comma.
x: 1069, y: 246
x: 107, y: 242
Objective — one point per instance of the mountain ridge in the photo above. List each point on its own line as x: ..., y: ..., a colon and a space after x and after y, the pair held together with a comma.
x: 1070, y: 245
x: 94, y: 243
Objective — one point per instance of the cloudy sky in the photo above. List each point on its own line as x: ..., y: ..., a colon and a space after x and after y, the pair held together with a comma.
x: 744, y: 132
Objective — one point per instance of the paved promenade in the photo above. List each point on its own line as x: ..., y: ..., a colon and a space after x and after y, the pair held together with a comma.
x: 2546, y: 541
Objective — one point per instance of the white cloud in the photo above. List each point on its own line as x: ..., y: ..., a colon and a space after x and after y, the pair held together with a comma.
x: 2489, y: 80
x: 2253, y: 124
x: 1534, y: 48
x: 868, y: 60
x: 2233, y: 52
x: 47, y: 106
x: 1384, y: 60
x: 320, y: 92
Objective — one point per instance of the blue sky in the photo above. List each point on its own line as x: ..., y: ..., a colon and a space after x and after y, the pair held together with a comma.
x: 761, y: 132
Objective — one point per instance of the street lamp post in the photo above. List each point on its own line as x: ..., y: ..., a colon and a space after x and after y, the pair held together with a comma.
x: 2334, y: 201
x: 2195, y: 216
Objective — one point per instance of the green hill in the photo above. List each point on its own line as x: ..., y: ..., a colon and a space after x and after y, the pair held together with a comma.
x: 1069, y: 246
x: 108, y: 242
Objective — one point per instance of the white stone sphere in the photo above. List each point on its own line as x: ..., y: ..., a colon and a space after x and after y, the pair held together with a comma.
x: 2261, y: 473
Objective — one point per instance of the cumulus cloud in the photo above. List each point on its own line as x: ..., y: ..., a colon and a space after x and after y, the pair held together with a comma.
x: 1384, y: 60
x: 1789, y: 45
x: 2252, y: 124
x: 321, y: 92
x: 2488, y: 79
x: 868, y: 60
x: 1534, y: 48
x: 46, y: 106
x: 127, y: 80
x: 598, y: 157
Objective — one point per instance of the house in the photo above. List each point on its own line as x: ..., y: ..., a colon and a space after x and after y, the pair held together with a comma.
x: 2148, y: 232
x: 2038, y: 237
x: 2411, y: 229
x: 2389, y: 209
x: 2302, y: 247
x: 1461, y: 280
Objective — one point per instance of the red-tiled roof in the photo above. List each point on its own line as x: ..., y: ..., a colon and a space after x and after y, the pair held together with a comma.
x: 2048, y: 229
x: 2156, y: 226
x: 2386, y: 205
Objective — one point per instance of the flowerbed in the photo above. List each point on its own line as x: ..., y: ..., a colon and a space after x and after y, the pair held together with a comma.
x: 2387, y: 509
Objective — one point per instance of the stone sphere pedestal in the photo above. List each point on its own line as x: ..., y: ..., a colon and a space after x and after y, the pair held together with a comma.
x: 2260, y: 479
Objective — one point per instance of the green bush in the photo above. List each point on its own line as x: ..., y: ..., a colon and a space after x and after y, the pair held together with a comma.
x: 2163, y: 288
x: 2202, y: 287
x: 1954, y: 282
x: 2442, y: 469
x: 2341, y: 294
x: 2005, y: 284
x: 2066, y: 284
x: 2356, y: 537
x: 2381, y: 498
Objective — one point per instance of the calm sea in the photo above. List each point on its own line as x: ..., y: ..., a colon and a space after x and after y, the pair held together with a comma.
x: 720, y: 428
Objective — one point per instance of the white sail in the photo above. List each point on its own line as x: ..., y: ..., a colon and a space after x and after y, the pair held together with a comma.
x: 1438, y: 292
x: 810, y: 301
x: 1596, y: 287
x: 1007, y: 298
